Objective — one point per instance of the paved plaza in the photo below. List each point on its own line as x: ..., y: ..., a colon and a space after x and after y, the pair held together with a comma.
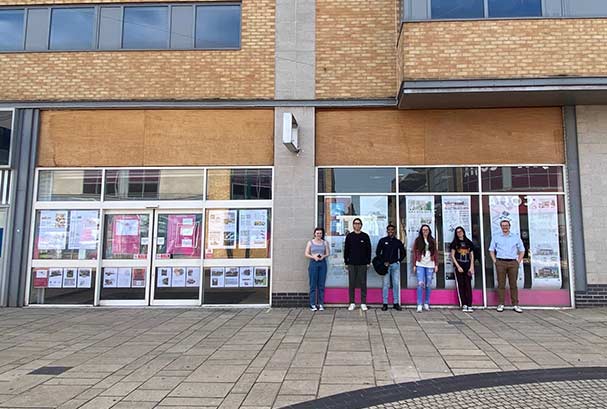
x: 271, y: 358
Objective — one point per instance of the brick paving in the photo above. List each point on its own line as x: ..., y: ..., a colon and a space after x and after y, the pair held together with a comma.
x: 270, y: 358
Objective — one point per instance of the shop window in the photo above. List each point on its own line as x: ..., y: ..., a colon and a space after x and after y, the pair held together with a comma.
x: 145, y: 27
x: 126, y: 236
x: 154, y: 184
x: 356, y: 180
x: 72, y: 28
x: 6, y: 125
x: 218, y: 26
x: 62, y: 285
x: 66, y: 235
x: 69, y: 185
x: 179, y: 236
x: 236, y: 285
x: 11, y: 30
x: 446, y: 9
x: 515, y: 8
x: 438, y: 179
x: 522, y: 178
x: 239, y: 184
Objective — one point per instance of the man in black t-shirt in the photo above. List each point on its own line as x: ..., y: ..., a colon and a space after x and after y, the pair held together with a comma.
x: 357, y: 257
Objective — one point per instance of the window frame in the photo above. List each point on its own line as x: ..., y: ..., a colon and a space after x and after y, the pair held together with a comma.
x: 23, y: 32
x: 95, y: 27
x: 11, y: 147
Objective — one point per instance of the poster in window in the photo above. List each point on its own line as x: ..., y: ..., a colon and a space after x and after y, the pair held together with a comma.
x: 179, y: 278
x: 85, y: 277
x: 222, y: 229
x: 164, y: 277
x: 217, y: 277
x: 123, y: 279
x: 138, y: 278
x: 40, y: 278
x: 544, y: 242
x: 110, y: 277
x: 246, y: 277
x: 420, y: 210
x: 338, y: 210
x: 252, y: 229
x: 506, y: 208
x: 261, y: 277
x: 55, y: 278
x: 192, y: 277
x: 126, y: 234
x: 374, y: 214
x: 183, y: 235
x: 456, y: 212
x: 84, y: 225
x: 231, y: 277
x: 52, y: 230
x: 70, y: 276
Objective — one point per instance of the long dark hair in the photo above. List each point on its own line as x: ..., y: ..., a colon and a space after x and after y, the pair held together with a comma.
x: 420, y: 243
x: 321, y: 230
x: 456, y: 240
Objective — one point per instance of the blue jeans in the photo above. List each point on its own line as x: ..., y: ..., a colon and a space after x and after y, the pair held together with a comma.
x: 394, y: 275
x: 424, y: 280
x: 317, y: 270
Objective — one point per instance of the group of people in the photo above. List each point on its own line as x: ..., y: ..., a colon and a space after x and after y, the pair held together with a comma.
x: 506, y: 251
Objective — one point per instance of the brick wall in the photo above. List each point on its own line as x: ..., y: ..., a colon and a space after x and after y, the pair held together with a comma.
x: 356, y: 48
x: 290, y: 299
x: 503, y: 49
x: 247, y: 73
x: 594, y: 296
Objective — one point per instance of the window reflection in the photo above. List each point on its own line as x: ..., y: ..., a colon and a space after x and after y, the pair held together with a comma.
x: 357, y: 180
x: 11, y: 30
x: 457, y: 9
x: 218, y: 26
x: 515, y: 8
x: 441, y: 179
x: 72, y: 28
x: 6, y: 125
x: 522, y: 178
x: 145, y: 27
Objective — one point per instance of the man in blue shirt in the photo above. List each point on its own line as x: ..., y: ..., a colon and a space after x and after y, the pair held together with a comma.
x: 507, y: 252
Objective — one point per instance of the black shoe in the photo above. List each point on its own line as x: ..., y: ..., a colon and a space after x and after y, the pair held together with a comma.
x: 397, y: 307
x: 384, y: 307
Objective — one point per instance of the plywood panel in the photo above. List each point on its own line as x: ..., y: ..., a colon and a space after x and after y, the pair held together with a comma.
x: 439, y: 137
x: 156, y: 138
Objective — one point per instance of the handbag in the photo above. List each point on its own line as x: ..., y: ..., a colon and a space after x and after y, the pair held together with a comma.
x: 379, y: 266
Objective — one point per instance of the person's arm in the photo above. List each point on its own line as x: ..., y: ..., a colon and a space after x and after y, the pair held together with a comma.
x: 521, y: 252
x: 492, y: 251
x: 327, y: 251
x: 378, y: 250
x: 308, y: 253
x: 369, y: 248
x: 347, y: 250
x: 402, y: 251
x: 471, y: 270
x: 414, y: 261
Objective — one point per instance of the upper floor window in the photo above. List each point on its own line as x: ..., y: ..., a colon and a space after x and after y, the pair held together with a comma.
x: 457, y: 9
x: 145, y: 27
x: 72, y: 28
x: 11, y: 29
x: 515, y: 8
x: 218, y: 26
x: 6, y: 125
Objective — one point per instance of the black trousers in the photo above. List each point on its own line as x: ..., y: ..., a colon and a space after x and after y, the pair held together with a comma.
x: 357, y: 277
x: 464, y: 284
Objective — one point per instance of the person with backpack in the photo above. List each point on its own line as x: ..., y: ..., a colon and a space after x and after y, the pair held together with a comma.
x: 392, y: 252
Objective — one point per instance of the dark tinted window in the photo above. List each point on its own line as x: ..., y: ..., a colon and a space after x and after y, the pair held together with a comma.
x: 522, y: 178
x: 515, y: 8
x: 6, y: 123
x: 11, y: 30
x: 218, y: 26
x: 438, y: 179
x: 457, y: 9
x: 239, y: 184
x: 137, y: 184
x: 145, y: 27
x: 357, y: 180
x: 72, y: 28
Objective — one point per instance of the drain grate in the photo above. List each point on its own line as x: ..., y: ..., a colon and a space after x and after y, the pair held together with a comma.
x: 50, y: 370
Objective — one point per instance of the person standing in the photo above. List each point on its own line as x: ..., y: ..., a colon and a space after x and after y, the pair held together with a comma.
x: 317, y: 250
x: 357, y: 257
x: 392, y: 252
x: 462, y: 255
x: 425, y: 264
x: 507, y: 251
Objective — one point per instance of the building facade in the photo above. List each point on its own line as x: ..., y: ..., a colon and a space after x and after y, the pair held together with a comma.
x: 182, y: 153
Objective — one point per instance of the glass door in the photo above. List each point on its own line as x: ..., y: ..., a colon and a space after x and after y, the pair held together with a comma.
x: 125, y: 276
x: 177, y: 262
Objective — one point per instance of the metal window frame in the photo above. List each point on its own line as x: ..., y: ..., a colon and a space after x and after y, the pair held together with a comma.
x: 95, y: 25
x: 12, y: 137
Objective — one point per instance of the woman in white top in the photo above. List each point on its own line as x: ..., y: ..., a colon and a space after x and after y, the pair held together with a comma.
x: 317, y: 250
x: 425, y: 264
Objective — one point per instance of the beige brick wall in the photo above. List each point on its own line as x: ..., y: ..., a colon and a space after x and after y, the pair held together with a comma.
x: 356, y: 48
x: 247, y: 73
x: 504, y: 49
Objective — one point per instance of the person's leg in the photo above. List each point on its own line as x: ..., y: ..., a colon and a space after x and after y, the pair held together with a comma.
x: 468, y: 286
x: 385, y: 287
x: 351, y: 282
x: 429, y: 273
x: 512, y: 282
x: 461, y: 287
x: 322, y: 277
x: 421, y: 283
x: 363, y: 284
x: 313, y: 274
x: 501, y: 281
x: 395, y: 276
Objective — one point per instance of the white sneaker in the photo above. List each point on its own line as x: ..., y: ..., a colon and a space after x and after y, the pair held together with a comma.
x: 500, y: 308
x: 351, y: 307
x: 470, y: 309
x: 419, y: 308
x: 465, y: 308
x: 518, y: 309
x: 312, y: 308
x: 321, y: 308
x: 426, y: 307
x: 364, y: 307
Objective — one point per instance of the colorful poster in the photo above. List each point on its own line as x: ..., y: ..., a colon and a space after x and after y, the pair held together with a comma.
x: 419, y: 210
x: 164, y: 277
x: 183, y: 235
x: 337, y: 210
x: 192, y: 277
x: 69, y: 277
x: 261, y: 277
x: 110, y: 277
x: 253, y: 229
x: 217, y: 277
x: 52, y: 230
x: 84, y: 226
x: 222, y: 229
x: 178, y: 278
x: 506, y: 208
x: 138, y: 278
x: 456, y: 212
x: 231, y: 277
x: 246, y: 277
x: 55, y: 279
x: 123, y: 279
x: 544, y: 242
x: 85, y: 277
x: 126, y: 234
x: 40, y: 278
